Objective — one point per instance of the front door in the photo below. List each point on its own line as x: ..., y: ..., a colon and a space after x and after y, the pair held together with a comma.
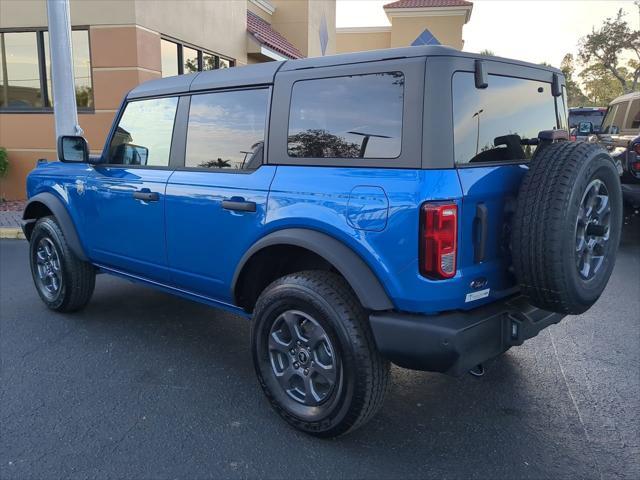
x: 125, y: 196
x: 216, y: 204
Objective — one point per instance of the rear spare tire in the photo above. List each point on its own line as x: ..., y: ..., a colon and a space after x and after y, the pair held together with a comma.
x: 567, y: 226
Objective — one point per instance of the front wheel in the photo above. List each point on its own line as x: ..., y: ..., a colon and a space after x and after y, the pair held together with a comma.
x: 64, y: 282
x: 315, y: 355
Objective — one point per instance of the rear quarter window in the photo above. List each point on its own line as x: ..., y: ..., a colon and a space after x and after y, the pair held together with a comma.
x: 500, y: 123
x: 356, y: 116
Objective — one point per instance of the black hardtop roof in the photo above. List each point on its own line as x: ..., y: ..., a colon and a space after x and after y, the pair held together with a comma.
x: 264, y: 73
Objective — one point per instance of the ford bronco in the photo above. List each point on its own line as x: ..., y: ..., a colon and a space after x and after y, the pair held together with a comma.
x: 416, y: 206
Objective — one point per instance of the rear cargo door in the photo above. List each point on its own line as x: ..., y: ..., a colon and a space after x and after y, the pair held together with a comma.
x: 495, y: 136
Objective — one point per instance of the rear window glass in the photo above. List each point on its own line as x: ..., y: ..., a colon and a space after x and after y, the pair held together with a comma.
x: 358, y: 116
x: 594, y: 116
x: 499, y: 123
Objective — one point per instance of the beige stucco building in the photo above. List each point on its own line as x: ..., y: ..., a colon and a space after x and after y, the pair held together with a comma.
x: 412, y: 22
x: 117, y: 45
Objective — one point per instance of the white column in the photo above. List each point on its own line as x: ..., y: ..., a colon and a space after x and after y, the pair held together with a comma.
x: 63, y: 84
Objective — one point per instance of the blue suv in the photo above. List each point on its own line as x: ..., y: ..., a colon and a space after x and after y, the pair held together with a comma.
x: 418, y: 206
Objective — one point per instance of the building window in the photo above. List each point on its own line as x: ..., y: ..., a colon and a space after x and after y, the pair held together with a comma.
x: 359, y: 116
x: 226, y: 130
x: 178, y: 59
x: 169, y: 58
x: 25, y: 70
x: 21, y: 86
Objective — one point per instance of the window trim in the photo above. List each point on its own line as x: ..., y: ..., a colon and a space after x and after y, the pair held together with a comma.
x: 410, y: 156
x: 182, y: 167
x: 42, y: 70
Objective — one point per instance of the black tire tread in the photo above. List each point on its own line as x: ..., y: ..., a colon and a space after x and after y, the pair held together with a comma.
x: 79, y: 275
x: 374, y: 370
x: 539, y: 223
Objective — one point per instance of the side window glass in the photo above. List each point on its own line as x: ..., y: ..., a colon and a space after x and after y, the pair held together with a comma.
x: 358, y: 116
x: 607, y: 123
x: 226, y: 130
x: 143, y: 135
x: 614, y: 119
x: 633, y: 117
x: 500, y: 123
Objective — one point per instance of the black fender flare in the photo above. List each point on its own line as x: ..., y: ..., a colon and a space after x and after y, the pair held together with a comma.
x: 57, y: 208
x: 357, y: 273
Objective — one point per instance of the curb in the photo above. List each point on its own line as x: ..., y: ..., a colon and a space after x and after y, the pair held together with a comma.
x: 12, y: 233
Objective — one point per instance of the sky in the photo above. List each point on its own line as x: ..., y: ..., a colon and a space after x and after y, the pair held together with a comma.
x: 531, y: 30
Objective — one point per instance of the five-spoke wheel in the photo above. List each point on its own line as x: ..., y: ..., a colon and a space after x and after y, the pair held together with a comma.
x: 302, y: 357
x: 48, y: 265
x: 315, y: 355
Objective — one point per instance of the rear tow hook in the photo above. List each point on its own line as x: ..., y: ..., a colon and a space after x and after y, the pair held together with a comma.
x: 477, y: 371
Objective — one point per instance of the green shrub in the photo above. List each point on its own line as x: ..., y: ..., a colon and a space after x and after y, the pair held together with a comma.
x: 4, y: 162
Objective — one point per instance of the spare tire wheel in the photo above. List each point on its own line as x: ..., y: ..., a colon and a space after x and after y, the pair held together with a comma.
x: 567, y: 226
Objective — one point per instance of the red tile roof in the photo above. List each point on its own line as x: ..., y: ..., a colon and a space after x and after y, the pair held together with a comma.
x: 269, y: 37
x: 428, y: 3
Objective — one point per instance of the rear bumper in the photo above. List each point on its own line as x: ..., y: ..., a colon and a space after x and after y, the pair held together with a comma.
x: 455, y: 342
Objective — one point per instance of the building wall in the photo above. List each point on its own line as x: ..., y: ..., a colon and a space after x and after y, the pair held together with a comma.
x: 317, y: 10
x: 125, y: 51
x: 290, y: 19
x: 219, y: 26
x: 357, y: 42
x: 299, y: 22
x: 447, y: 29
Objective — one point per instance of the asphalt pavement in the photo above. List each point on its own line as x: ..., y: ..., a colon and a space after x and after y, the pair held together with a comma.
x: 142, y: 384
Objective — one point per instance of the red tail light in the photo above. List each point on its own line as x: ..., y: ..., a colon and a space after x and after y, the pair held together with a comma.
x: 636, y: 148
x: 438, y: 240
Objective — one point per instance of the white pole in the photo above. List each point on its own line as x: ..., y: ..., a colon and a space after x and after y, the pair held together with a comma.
x: 62, y: 80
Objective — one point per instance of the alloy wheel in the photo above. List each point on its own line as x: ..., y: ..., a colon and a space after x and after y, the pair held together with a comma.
x: 302, y: 358
x: 592, y: 229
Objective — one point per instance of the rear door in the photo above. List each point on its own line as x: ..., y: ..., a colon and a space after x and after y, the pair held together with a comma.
x: 495, y: 134
x: 216, y: 202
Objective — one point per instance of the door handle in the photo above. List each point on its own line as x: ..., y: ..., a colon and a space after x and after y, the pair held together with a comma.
x: 239, y: 204
x: 146, y: 196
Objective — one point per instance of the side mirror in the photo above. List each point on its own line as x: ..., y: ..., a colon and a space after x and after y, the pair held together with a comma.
x: 585, y: 128
x: 73, y: 149
x: 130, y: 154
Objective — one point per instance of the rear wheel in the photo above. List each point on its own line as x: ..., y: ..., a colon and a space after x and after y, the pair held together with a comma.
x: 567, y: 226
x: 315, y: 356
x: 64, y: 282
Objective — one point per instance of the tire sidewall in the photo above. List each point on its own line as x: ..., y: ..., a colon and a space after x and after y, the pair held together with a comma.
x: 586, y: 292
x: 45, y: 229
x: 333, y: 410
